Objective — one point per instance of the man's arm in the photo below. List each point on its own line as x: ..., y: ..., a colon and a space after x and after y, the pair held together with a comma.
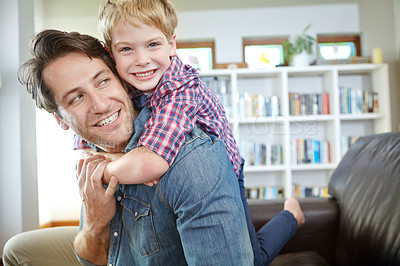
x: 98, y: 208
x: 138, y: 166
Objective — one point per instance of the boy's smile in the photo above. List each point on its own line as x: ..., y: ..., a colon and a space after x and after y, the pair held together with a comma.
x: 142, y: 54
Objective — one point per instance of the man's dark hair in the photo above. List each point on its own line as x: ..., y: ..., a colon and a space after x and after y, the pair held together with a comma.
x: 49, y: 45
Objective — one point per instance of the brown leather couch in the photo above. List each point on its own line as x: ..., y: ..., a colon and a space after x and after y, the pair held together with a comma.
x: 360, y: 223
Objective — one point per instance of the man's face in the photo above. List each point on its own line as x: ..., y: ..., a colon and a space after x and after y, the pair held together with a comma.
x: 91, y: 100
x: 142, y: 54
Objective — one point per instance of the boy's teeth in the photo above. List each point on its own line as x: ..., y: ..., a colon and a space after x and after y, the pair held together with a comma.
x: 108, y: 120
x: 145, y: 74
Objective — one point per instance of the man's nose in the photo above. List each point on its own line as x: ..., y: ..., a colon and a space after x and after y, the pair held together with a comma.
x: 99, y: 102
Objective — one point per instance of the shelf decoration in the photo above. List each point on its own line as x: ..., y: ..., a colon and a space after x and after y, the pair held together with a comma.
x: 307, y: 151
x: 277, y: 152
x: 346, y: 142
x: 265, y: 192
x: 220, y: 86
x: 355, y: 101
x: 256, y: 153
x: 300, y: 48
x: 308, y: 103
x: 301, y: 191
x: 257, y: 105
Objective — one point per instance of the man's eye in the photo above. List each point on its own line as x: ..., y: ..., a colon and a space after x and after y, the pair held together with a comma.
x: 76, y: 98
x: 104, y: 82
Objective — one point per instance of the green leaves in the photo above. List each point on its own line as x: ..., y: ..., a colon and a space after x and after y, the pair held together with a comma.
x: 303, y: 42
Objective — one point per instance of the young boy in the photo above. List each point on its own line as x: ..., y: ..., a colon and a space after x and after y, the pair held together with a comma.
x: 140, y: 36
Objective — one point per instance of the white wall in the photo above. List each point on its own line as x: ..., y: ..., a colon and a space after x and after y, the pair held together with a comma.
x: 18, y: 183
x: 229, y: 27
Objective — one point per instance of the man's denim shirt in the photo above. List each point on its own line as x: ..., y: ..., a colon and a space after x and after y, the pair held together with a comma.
x: 193, y: 216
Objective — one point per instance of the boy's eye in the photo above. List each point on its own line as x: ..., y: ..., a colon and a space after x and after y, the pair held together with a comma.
x: 153, y: 44
x: 125, y: 49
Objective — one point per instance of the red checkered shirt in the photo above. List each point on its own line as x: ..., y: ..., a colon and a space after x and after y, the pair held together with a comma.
x: 181, y: 101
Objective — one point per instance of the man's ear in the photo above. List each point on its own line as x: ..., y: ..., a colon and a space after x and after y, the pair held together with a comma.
x: 172, y: 43
x: 60, y: 122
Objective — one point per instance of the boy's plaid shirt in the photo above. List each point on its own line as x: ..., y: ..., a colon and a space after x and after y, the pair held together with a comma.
x: 181, y: 101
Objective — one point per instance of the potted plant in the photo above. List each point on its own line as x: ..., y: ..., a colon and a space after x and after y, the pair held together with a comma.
x: 297, y: 52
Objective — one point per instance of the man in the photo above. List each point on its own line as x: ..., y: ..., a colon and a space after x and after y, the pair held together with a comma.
x: 193, y: 216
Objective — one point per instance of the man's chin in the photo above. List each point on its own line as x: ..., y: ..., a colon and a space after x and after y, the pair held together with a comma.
x: 109, y: 144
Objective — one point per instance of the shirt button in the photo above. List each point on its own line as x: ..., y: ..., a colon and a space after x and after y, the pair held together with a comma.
x: 135, y: 214
x: 119, y: 198
x: 115, y: 233
x: 110, y: 264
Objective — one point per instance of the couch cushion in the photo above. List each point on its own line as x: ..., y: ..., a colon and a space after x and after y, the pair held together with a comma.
x: 366, y: 185
x: 306, y: 258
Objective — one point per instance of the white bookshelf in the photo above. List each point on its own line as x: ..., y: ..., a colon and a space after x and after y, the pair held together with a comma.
x: 283, y: 129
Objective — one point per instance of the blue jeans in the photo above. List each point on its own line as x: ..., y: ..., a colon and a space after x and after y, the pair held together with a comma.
x: 194, y: 216
x: 270, y: 239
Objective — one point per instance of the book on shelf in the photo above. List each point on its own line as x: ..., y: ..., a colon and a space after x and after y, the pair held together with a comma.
x: 306, y: 151
x: 301, y: 191
x: 346, y: 142
x: 265, y: 192
x: 357, y: 101
x: 257, y: 105
x: 308, y: 103
x: 220, y: 86
x: 257, y: 153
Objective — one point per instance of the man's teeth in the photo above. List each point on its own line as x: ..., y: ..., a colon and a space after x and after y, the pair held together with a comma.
x: 108, y: 120
x: 142, y: 75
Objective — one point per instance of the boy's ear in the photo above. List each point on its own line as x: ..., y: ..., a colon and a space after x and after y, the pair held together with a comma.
x: 60, y: 122
x: 172, y: 43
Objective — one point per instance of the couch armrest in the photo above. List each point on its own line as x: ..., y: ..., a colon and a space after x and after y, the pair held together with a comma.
x: 319, y: 232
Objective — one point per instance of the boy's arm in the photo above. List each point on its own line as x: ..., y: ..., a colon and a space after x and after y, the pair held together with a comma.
x: 140, y: 165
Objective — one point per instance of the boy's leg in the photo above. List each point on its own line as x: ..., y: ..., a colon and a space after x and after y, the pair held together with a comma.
x: 52, y: 246
x: 259, y: 257
x: 270, y: 239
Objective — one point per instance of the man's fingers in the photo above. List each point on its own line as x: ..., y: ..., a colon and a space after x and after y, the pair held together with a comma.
x: 79, y: 171
x: 97, y: 175
x: 85, y: 182
x: 112, y: 186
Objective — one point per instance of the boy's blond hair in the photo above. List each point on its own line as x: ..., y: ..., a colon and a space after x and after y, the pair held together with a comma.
x: 158, y: 13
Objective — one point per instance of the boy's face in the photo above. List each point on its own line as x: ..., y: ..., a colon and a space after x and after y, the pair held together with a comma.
x: 91, y: 100
x: 142, y: 54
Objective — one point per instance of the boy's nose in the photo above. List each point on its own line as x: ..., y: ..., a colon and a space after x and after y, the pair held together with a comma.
x: 142, y: 59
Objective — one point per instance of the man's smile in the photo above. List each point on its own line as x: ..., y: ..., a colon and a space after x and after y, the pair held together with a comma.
x: 108, y: 120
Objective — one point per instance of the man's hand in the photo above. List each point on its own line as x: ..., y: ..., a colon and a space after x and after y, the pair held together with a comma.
x: 98, y: 209
x: 135, y: 169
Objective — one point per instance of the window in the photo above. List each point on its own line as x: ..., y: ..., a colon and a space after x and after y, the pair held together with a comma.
x: 259, y: 53
x: 338, y: 47
x: 200, y: 55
